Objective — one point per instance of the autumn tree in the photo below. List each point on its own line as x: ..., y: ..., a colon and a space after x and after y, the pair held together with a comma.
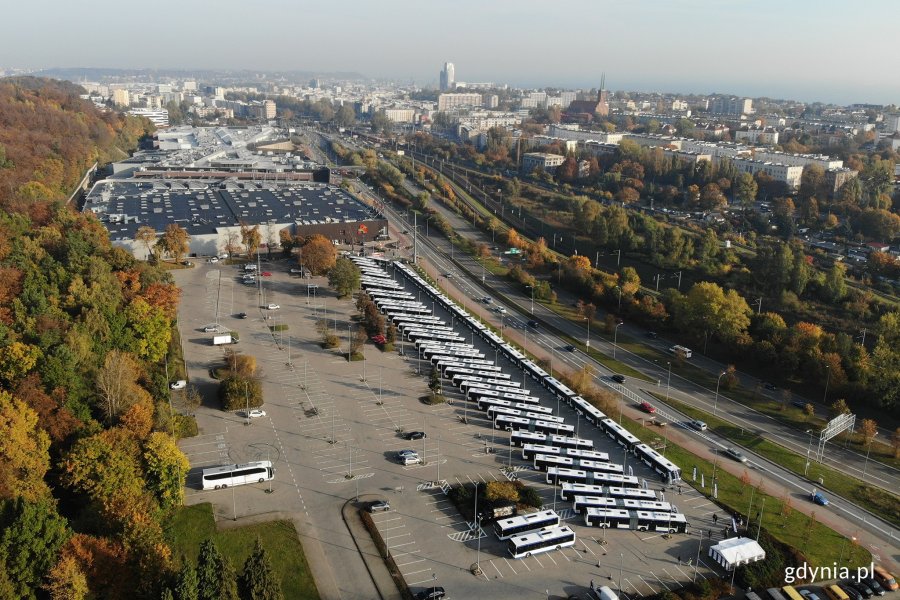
x: 146, y: 235
x: 174, y: 241
x: 745, y: 189
x: 66, y: 581
x: 868, y: 429
x: 318, y: 254
x: 117, y: 383
x: 250, y: 238
x: 838, y: 407
x: 259, y: 581
x: 166, y: 468
x: 24, y: 451
x: 709, y: 309
x: 501, y: 491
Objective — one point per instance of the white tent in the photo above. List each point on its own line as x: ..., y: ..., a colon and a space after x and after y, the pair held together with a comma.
x: 735, y: 552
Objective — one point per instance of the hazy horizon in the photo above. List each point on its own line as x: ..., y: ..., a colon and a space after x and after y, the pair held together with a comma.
x: 807, y: 51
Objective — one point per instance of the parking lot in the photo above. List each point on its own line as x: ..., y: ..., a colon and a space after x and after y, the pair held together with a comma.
x: 333, y: 428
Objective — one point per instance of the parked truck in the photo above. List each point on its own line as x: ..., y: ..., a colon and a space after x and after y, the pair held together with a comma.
x: 221, y: 340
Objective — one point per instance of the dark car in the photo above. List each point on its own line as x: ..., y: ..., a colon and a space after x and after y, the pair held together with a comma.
x: 533, y: 324
x: 874, y: 586
x: 852, y: 592
x: 618, y: 378
x: 432, y: 593
x: 241, y: 315
x: 416, y: 435
x: 652, y: 335
x: 799, y: 403
x: 770, y: 386
x: 570, y: 348
x: 860, y: 587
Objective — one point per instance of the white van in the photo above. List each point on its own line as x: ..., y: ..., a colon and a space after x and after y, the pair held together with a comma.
x: 604, y: 593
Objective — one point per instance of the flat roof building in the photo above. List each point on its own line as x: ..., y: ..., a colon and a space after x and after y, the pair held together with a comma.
x: 212, y: 211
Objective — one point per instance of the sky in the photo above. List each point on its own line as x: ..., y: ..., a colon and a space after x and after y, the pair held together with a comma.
x: 808, y: 50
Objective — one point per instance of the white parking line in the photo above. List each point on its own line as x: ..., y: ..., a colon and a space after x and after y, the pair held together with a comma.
x: 660, y: 581
x: 509, y: 564
x: 652, y: 589
x: 636, y: 591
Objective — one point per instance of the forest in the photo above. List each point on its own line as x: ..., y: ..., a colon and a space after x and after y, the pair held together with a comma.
x: 89, y: 467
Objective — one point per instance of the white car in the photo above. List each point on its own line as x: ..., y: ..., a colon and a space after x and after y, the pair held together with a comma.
x: 255, y: 413
x: 211, y: 329
x: 697, y: 424
x: 178, y: 385
x: 273, y: 306
x: 214, y: 259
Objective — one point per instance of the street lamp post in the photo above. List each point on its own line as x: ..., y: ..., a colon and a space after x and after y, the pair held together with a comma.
x: 716, y: 401
x: 668, y: 380
x: 616, y: 337
x: 827, y: 379
x: 588, y: 343
x: 808, y: 446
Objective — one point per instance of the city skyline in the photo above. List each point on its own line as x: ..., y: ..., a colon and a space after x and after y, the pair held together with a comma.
x: 690, y: 46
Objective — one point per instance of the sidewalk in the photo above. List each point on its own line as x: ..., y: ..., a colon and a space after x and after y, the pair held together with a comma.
x: 376, y: 566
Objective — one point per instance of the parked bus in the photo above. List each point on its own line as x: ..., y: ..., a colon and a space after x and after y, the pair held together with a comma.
x: 669, y: 471
x: 529, y: 451
x: 519, y: 438
x: 544, y: 540
x: 620, y: 435
x: 587, y: 454
x: 215, y: 478
x: 557, y: 476
x: 581, y: 503
x: 506, y: 528
x: 597, y: 466
x: 641, y: 520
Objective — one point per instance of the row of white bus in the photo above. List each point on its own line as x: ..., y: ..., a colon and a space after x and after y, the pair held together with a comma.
x: 546, y: 440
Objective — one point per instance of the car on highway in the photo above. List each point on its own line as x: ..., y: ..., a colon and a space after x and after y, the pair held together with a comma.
x: 211, y: 329
x: 500, y: 310
x: 241, y: 315
x: 618, y: 378
x: 648, y: 408
x: 533, y: 324
x: 379, y: 506
x: 487, y: 300
x: 735, y: 454
x: 652, y: 335
x: 570, y: 348
x: 178, y: 385
x: 697, y: 424
x: 770, y: 386
x: 416, y: 435
x: 820, y: 499
x: 273, y: 306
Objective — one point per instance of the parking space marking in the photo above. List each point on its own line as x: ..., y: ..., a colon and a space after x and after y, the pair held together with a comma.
x: 636, y: 591
x: 652, y: 589
x: 525, y: 564
x: 663, y: 583
x: 509, y: 564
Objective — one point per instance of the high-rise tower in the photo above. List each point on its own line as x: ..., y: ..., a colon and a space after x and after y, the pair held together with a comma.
x: 448, y: 77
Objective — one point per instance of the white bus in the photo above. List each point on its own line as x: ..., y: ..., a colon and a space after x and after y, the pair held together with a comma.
x: 571, y: 490
x: 582, y: 503
x: 216, y: 478
x: 669, y: 471
x: 587, y: 454
x: 641, y: 520
x: 597, y: 466
x: 544, y: 540
x: 556, y: 476
x: 519, y: 438
x: 506, y: 528
x: 682, y: 350
x: 542, y: 462
x: 529, y: 451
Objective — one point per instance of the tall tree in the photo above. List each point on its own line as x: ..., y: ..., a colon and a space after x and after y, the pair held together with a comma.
x: 745, y: 189
x: 166, y: 468
x: 216, y: 576
x: 344, y: 277
x: 187, y: 587
x: 31, y: 535
x: 318, y: 254
x: 146, y: 235
x: 174, y: 241
x: 258, y: 581
x: 24, y: 451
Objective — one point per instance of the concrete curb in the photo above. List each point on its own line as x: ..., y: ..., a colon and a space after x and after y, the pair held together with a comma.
x: 375, y: 565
